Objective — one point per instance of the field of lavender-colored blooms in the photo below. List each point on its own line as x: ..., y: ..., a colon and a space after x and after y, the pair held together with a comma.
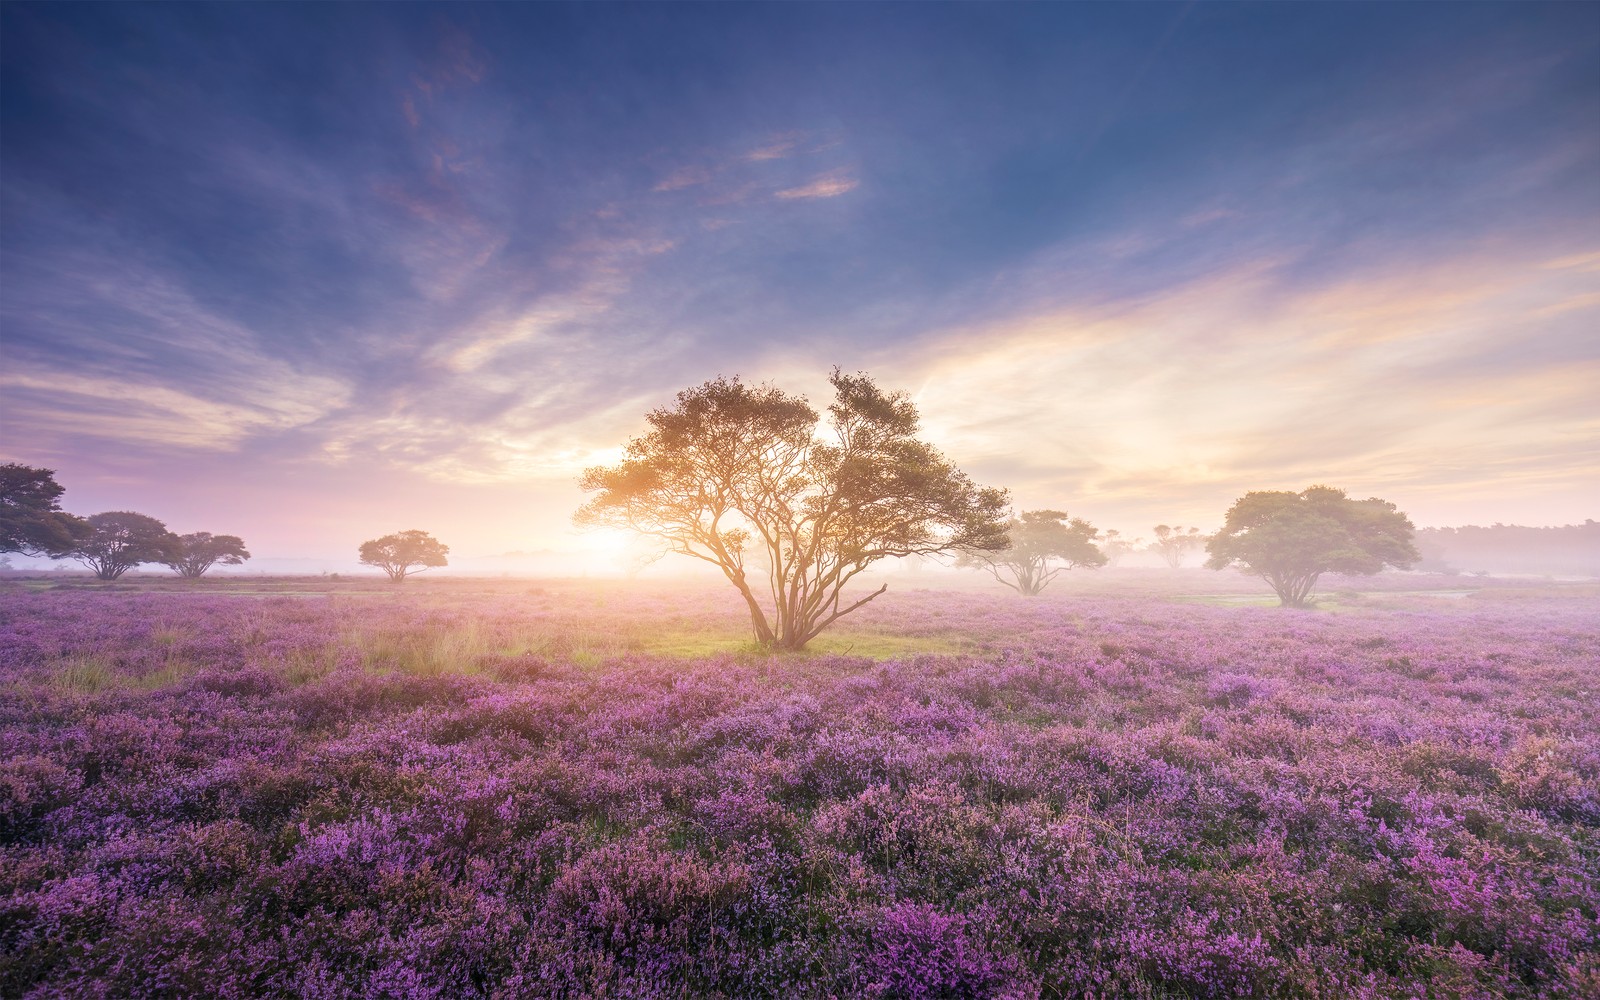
x: 1138, y: 785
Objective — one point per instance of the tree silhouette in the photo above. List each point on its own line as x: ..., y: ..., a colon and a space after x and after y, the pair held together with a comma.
x: 735, y: 475
x: 31, y: 519
x: 1290, y: 539
x: 195, y: 553
x: 396, y: 554
x: 1174, y: 544
x: 1044, y: 544
x: 1115, y: 546
x: 119, y: 540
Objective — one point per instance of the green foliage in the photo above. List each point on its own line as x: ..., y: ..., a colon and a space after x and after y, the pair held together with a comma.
x: 197, y: 552
x: 31, y: 519
x: 1290, y: 539
x: 398, y: 553
x: 1043, y: 544
x: 734, y: 475
x: 119, y: 540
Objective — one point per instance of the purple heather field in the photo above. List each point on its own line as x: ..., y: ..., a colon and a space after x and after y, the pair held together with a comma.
x: 1124, y: 788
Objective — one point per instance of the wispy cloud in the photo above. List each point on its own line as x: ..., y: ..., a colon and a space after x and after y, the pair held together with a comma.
x: 1243, y: 381
x: 683, y: 177
x: 729, y: 178
x: 776, y: 147
x: 150, y: 416
x: 830, y: 185
x: 173, y: 374
x: 457, y: 61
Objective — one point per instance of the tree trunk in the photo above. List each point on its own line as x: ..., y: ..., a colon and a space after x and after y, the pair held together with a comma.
x: 1293, y: 591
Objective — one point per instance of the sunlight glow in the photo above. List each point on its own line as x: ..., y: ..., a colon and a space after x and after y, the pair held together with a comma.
x: 605, y: 551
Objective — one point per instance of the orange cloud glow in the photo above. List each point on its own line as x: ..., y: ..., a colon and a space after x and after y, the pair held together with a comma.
x: 1398, y: 385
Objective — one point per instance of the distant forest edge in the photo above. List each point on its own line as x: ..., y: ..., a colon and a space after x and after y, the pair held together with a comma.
x: 1570, y: 550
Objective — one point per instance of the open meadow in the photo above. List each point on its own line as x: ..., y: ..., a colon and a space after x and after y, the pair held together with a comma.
x: 1138, y: 785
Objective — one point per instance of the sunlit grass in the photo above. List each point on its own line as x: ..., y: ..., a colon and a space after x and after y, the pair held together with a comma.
x: 94, y: 673
x: 468, y: 648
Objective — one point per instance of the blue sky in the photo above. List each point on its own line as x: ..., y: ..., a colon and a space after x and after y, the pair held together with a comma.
x: 309, y: 273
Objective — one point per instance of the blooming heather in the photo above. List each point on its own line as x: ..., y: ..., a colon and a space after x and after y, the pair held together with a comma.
x: 459, y: 792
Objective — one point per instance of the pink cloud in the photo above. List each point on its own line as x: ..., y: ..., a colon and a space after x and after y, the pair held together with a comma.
x: 776, y: 147
x: 827, y: 186
x: 682, y: 178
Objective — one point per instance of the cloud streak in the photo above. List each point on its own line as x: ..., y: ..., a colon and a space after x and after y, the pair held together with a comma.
x: 827, y: 186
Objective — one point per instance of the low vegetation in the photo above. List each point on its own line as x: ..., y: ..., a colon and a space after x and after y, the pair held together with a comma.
x: 455, y: 790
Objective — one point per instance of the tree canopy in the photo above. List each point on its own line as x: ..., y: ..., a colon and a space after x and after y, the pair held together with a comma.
x: 398, y: 553
x: 1044, y: 544
x: 737, y: 476
x: 119, y: 540
x: 197, y: 552
x: 1114, y: 546
x: 1290, y: 539
x: 1174, y: 544
x: 31, y: 519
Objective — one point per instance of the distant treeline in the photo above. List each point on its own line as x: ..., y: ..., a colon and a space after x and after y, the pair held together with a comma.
x: 1570, y: 550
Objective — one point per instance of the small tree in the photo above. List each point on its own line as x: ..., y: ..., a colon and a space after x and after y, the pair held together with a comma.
x: 1175, y: 544
x: 119, y: 540
x: 1290, y: 539
x: 195, y: 553
x: 1115, y: 546
x: 396, y: 554
x: 1044, y: 544
x: 31, y: 519
x: 735, y: 475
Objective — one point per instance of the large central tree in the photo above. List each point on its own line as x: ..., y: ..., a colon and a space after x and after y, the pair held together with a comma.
x: 737, y: 476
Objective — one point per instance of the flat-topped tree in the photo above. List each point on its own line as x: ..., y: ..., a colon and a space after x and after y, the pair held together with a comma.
x: 736, y: 476
x: 1044, y: 544
x: 119, y: 540
x: 403, y: 553
x: 31, y: 519
x: 1290, y: 539
x: 197, y: 552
